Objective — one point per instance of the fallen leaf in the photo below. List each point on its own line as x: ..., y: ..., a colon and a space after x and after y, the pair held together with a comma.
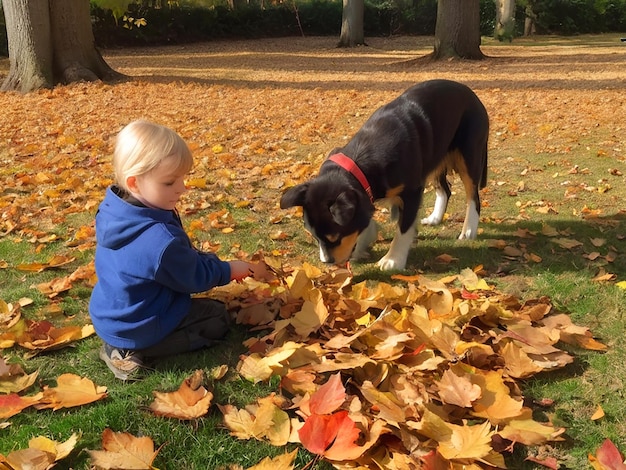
x: 607, y: 457
x: 71, y: 391
x: 190, y: 401
x: 123, y: 451
x: 598, y: 414
x: 280, y: 462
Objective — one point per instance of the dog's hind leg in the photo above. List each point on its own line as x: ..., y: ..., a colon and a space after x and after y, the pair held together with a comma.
x: 472, y: 216
x: 442, y: 195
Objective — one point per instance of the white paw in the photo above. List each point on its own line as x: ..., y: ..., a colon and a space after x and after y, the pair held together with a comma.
x: 432, y: 219
x: 467, y: 235
x: 389, y: 263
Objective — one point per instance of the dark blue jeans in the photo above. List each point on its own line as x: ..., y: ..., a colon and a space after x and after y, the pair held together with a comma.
x: 207, y: 322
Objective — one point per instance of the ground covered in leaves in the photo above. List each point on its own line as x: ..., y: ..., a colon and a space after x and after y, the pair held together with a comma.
x: 262, y: 115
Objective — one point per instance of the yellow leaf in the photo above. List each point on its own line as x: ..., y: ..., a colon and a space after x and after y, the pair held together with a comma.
x: 598, y: 414
x: 467, y: 442
x: 123, y: 450
x: 281, y: 462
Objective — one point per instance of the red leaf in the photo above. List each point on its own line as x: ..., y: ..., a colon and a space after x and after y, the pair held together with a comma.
x: 328, y: 397
x: 319, y: 431
x: 610, y: 458
x: 549, y: 462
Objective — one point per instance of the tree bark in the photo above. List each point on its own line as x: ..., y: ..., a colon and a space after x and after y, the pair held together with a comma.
x: 457, y: 32
x: 51, y: 42
x: 352, y: 30
x: 505, y: 20
x: 30, y: 55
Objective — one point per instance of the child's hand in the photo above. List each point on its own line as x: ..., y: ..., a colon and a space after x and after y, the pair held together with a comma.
x: 241, y: 269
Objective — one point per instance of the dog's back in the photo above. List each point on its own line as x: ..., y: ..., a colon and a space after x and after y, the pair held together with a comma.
x: 415, y: 133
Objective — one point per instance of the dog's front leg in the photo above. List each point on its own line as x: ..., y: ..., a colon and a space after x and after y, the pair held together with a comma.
x: 365, y: 240
x: 396, y: 257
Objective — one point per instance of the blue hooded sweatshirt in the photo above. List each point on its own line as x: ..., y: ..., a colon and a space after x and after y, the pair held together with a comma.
x: 147, y: 270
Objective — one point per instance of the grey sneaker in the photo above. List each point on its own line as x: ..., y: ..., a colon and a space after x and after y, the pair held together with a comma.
x: 124, y: 363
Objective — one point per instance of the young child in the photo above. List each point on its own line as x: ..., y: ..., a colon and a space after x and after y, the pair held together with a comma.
x: 141, y: 306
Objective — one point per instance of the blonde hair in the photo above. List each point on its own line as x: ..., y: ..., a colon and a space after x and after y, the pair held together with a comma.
x: 142, y: 145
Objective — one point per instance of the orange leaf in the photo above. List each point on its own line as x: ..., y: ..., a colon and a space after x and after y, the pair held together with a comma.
x: 12, y: 404
x: 71, y: 390
x: 320, y: 431
x: 190, y: 401
x: 44, y: 336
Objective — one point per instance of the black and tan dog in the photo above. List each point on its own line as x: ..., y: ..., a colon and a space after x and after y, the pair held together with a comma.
x: 432, y: 129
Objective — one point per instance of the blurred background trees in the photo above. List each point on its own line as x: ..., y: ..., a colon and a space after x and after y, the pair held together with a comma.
x: 174, y: 22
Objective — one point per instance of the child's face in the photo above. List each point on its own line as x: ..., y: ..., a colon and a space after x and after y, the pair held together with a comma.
x: 160, y: 188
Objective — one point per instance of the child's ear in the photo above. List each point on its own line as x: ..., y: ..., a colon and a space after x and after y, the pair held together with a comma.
x: 131, y: 184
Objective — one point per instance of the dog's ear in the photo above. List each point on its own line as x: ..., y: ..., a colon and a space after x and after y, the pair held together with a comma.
x: 344, y: 207
x: 294, y: 196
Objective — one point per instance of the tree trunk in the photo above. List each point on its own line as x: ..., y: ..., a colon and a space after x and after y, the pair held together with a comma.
x: 352, y: 24
x: 529, y: 21
x: 51, y: 42
x: 457, y: 32
x: 30, y: 55
x: 505, y: 20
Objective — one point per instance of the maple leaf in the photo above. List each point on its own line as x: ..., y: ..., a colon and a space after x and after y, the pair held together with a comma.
x: 123, y: 451
x: 280, y: 462
x: 312, y: 315
x: 389, y: 409
x: 495, y: 403
x: 467, y: 442
x: 457, y: 389
x: 190, y: 401
x: 44, y: 336
x: 10, y: 314
x: 328, y: 397
x: 42, y: 453
x: 529, y: 432
x: 13, y: 404
x: 13, y: 379
x: 257, y: 367
x: 321, y: 431
x: 71, y: 390
x: 260, y: 422
x: 607, y: 457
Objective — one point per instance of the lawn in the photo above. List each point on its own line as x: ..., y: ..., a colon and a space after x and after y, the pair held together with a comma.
x: 262, y: 115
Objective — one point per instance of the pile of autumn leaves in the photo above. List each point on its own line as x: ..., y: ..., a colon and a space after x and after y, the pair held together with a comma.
x: 415, y: 374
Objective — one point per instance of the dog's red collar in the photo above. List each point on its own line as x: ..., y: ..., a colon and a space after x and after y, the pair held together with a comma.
x: 351, y: 166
